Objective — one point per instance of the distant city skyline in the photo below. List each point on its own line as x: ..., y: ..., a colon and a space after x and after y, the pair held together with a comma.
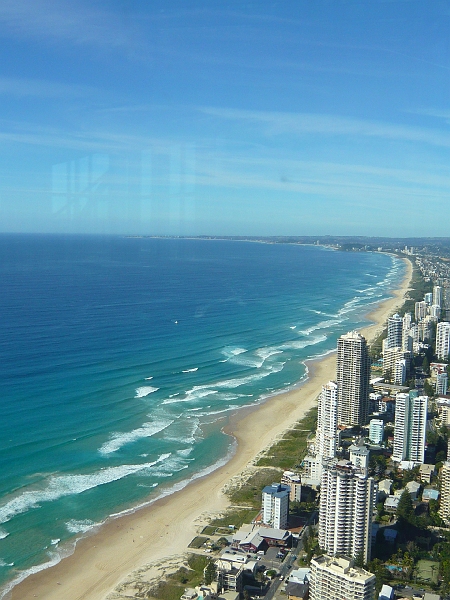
x: 225, y: 118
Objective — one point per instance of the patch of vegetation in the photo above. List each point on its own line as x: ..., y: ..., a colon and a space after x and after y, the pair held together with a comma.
x: 208, y: 530
x: 198, y: 542
x: 174, y: 586
x: 249, y: 494
x: 236, y: 517
x: 289, y: 451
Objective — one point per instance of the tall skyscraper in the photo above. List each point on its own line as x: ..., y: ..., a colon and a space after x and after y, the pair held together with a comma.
x: 326, y: 432
x: 420, y: 310
x: 333, y: 578
x: 410, y: 427
x: 394, y: 331
x: 275, y: 505
x: 345, y: 512
x: 353, y: 372
x: 437, y: 295
x: 444, y: 510
x: 443, y: 340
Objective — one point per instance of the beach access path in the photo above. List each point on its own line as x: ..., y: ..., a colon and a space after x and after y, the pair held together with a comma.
x: 137, y: 546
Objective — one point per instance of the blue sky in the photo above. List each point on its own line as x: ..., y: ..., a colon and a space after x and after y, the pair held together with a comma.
x: 230, y: 117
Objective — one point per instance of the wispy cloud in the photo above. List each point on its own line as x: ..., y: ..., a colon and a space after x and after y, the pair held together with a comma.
x: 21, y: 87
x: 276, y: 123
x: 63, y: 20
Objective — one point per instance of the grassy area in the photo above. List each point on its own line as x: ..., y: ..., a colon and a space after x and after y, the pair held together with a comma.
x: 235, y: 517
x: 250, y: 493
x: 174, y: 586
x: 427, y: 570
x: 198, y: 541
x: 289, y: 451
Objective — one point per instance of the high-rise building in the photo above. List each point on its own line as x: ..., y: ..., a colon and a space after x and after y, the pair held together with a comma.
x: 437, y: 295
x: 443, y: 340
x: 400, y: 372
x: 353, y: 372
x: 275, y: 505
x: 394, y: 331
x: 441, y: 383
x: 444, y: 510
x: 345, y: 512
x: 410, y: 427
x: 420, y: 310
x: 428, y: 298
x: 326, y: 432
x: 337, y: 578
x: 391, y: 356
x: 376, y: 430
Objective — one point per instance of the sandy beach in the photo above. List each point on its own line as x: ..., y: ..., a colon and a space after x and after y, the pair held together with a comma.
x: 137, y: 546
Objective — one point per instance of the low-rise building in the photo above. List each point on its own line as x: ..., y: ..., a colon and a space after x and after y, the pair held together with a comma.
x: 295, y: 483
x: 427, y: 472
x: 386, y: 593
x: 430, y: 494
x: 391, y: 503
x: 297, y: 591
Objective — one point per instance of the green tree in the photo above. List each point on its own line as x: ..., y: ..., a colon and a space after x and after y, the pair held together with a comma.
x: 426, y: 365
x: 405, y: 511
x: 428, y: 388
x: 210, y: 572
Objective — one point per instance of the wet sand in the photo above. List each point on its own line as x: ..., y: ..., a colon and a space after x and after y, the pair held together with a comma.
x: 134, y: 547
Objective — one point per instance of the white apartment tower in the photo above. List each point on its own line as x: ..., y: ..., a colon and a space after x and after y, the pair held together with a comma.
x: 394, y: 331
x: 326, y: 432
x: 336, y: 578
x: 444, y: 510
x: 275, y: 505
x: 345, y: 512
x: 353, y: 372
x: 443, y: 340
x: 420, y: 310
x: 376, y: 430
x: 437, y: 295
x: 410, y: 427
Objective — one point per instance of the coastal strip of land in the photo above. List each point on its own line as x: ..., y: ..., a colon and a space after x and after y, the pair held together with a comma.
x: 139, y: 546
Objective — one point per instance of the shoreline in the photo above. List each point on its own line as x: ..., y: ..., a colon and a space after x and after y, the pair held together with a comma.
x: 139, y: 545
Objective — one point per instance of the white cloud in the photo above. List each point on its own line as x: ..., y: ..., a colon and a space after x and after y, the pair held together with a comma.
x: 276, y: 123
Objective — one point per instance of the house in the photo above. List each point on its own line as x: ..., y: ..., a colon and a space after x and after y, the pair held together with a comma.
x: 297, y: 591
x: 391, y: 503
x: 427, y: 472
x: 189, y: 594
x: 384, y: 489
x: 299, y: 575
x: 430, y: 494
x: 429, y: 596
x: 276, y: 537
x: 386, y: 593
x: 413, y: 489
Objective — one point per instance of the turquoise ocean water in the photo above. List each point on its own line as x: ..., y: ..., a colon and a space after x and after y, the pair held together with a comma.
x: 121, y: 357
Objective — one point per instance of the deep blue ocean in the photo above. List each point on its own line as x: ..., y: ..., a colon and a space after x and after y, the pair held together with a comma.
x: 122, y: 357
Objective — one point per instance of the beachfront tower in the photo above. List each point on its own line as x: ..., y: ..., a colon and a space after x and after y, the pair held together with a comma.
x: 345, y: 514
x: 394, y: 331
x: 333, y: 578
x: 275, y: 505
x: 326, y: 432
x: 353, y: 372
x: 410, y: 427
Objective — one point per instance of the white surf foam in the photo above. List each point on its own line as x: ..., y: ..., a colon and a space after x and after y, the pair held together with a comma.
x: 80, y: 525
x: 148, y: 378
x: 145, y: 390
x: 3, y: 534
x: 59, y: 486
x: 120, y: 439
x: 190, y: 370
